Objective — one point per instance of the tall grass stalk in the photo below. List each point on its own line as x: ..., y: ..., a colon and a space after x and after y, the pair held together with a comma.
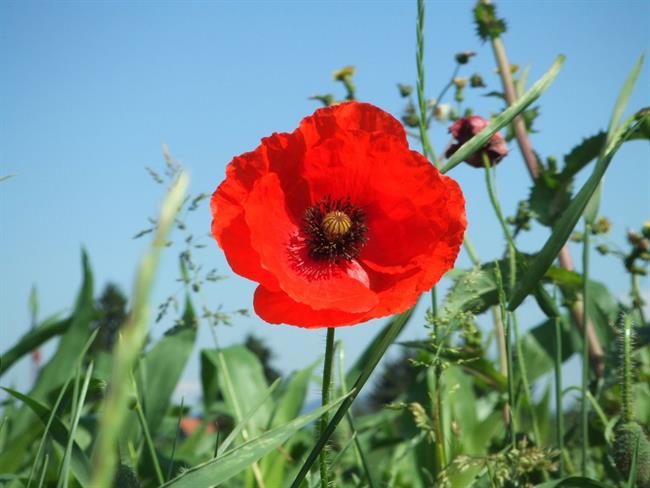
x: 428, y: 152
x: 559, y: 413
x: 76, y: 415
x: 361, y: 458
x: 584, y: 412
x: 125, y: 355
x: 512, y: 260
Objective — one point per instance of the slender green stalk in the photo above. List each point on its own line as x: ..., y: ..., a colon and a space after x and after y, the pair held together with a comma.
x: 147, y: 434
x: 327, y: 383
x: 361, y: 458
x: 512, y: 425
x: 44, y: 470
x: 625, y: 368
x: 512, y: 260
x: 422, y: 103
x: 126, y: 353
x: 559, y: 413
x: 428, y: 152
x: 76, y: 415
x: 176, y: 436
x: 636, y: 298
x: 584, y: 412
x: 377, y: 352
x: 55, y: 408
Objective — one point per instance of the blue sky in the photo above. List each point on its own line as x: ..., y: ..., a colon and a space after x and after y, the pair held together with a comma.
x: 90, y: 90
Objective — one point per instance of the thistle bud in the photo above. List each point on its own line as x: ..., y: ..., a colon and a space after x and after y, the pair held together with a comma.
x: 476, y: 81
x: 464, y: 57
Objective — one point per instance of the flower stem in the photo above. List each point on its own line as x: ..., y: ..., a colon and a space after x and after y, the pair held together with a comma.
x: 324, y: 420
x: 512, y: 261
x: 428, y: 152
x: 585, y: 349
x: 559, y: 413
x: 422, y: 103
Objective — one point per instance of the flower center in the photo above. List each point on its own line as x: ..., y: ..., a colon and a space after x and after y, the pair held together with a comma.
x: 335, y: 230
x: 336, y: 224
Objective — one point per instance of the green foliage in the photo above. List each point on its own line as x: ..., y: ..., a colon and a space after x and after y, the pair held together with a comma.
x: 488, y: 25
x: 102, y: 411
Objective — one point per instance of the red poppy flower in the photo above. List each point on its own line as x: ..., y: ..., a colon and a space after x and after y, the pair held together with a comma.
x: 467, y: 127
x: 339, y: 222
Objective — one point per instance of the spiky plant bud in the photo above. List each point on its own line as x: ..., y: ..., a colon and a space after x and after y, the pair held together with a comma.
x: 630, y: 438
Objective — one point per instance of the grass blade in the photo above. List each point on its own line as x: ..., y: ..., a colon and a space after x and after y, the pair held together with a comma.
x: 65, y: 469
x: 246, y: 418
x: 374, y: 356
x: 503, y: 119
x: 128, y: 349
x: 79, y: 464
x: 569, y: 219
x: 235, y: 461
x: 49, y: 328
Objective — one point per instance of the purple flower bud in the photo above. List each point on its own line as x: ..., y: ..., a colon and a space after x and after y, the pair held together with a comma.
x: 467, y: 127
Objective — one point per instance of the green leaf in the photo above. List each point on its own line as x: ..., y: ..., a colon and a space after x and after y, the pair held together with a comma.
x: 235, y: 461
x: 58, y: 369
x: 37, y: 336
x: 549, y: 197
x: 163, y: 366
x: 581, y: 155
x: 567, y: 221
x: 642, y: 130
x: 79, y: 464
x: 289, y: 403
x: 240, y: 378
x: 479, y: 140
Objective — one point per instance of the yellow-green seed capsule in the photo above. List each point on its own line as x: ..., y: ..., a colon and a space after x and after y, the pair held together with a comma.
x: 336, y: 224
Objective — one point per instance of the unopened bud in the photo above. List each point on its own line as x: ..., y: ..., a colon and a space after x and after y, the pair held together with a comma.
x: 464, y: 57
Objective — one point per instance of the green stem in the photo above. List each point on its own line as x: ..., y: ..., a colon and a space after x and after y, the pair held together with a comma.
x: 512, y: 261
x: 512, y: 427
x: 637, y: 299
x: 324, y: 420
x: 585, y: 350
x: 559, y: 413
x: 149, y: 443
x: 626, y: 367
x: 422, y: 103
x: 428, y: 152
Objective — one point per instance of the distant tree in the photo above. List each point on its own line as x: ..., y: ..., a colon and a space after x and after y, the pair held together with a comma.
x: 111, y: 307
x: 395, y: 378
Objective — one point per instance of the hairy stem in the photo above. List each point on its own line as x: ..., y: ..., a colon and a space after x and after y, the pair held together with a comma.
x: 532, y: 164
x: 325, y: 399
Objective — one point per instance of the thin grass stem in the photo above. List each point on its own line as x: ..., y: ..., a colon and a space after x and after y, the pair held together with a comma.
x: 176, y: 436
x: 584, y: 412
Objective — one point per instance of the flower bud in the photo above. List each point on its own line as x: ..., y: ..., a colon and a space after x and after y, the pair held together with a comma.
x: 343, y: 73
x: 476, y: 81
x: 404, y: 90
x: 602, y: 249
x: 441, y: 112
x: 464, y: 57
x: 467, y: 127
x: 602, y: 226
